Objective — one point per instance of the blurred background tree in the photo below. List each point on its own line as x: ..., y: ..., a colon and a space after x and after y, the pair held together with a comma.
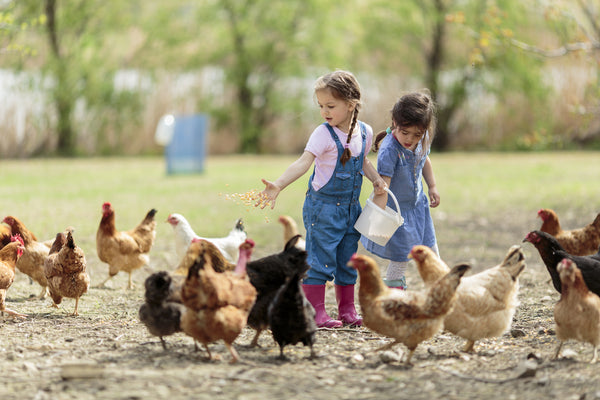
x: 505, y: 74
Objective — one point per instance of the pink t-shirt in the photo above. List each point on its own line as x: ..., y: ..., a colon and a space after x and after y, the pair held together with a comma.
x: 323, y: 147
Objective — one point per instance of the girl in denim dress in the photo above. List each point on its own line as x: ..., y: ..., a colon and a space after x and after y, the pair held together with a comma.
x: 338, y: 149
x: 403, y: 161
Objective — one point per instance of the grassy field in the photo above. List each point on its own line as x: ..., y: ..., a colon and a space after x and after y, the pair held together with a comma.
x: 50, y: 194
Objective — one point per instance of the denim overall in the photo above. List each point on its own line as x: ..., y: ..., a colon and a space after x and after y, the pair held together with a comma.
x: 329, y: 215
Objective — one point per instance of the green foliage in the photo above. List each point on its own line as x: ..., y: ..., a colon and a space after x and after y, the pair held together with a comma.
x: 490, y: 93
x: 79, y: 61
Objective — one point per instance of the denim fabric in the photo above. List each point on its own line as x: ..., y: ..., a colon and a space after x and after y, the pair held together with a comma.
x: 329, y: 215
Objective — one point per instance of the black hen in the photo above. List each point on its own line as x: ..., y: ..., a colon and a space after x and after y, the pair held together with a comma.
x: 160, y: 315
x: 552, y: 253
x: 267, y: 275
x: 291, y: 316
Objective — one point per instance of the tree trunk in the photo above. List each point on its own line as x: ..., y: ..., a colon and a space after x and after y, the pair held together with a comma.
x: 62, y: 97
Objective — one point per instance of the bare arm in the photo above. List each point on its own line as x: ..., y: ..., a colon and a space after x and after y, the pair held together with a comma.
x: 371, y: 173
x: 434, y: 196
x: 293, y: 172
x: 381, y: 199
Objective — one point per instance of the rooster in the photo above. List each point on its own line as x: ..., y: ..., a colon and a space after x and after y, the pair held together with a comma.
x: 578, y: 242
x: 124, y: 250
x: 217, y: 303
x: 290, y: 229
x: 552, y: 253
x: 409, y: 317
x: 485, y: 302
x: 228, y: 245
x: 9, y: 255
x: 160, y: 314
x: 577, y: 313
x: 267, y: 275
x: 32, y: 261
x: 65, y: 270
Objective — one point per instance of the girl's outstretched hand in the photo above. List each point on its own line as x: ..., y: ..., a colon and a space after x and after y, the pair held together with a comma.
x: 268, y: 195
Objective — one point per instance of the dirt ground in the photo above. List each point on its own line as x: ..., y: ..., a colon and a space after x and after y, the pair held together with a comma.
x: 106, y: 353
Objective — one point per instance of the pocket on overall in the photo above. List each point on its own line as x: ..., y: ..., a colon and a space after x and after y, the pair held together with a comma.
x: 341, y: 181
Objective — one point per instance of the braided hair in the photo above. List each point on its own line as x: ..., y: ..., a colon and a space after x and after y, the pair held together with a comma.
x: 344, y: 86
x: 413, y: 109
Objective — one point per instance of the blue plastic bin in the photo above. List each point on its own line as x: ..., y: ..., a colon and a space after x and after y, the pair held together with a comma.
x: 186, y: 151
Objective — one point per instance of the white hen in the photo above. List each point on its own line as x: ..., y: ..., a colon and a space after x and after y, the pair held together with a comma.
x: 227, y: 245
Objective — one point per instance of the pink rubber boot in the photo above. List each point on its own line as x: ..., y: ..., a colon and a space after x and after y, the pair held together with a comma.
x: 316, y: 295
x: 345, y: 300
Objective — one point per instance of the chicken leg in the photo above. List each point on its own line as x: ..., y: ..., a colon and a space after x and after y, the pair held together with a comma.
x: 102, y: 285
x: 469, y: 346
x: 254, y: 342
x: 13, y: 314
x: 560, y: 344
x: 234, y: 354
x: 75, y: 312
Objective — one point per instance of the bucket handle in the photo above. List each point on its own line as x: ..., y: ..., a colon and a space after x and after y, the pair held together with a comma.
x: 398, y: 217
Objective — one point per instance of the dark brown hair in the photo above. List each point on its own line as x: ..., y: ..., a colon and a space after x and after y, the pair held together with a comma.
x: 413, y: 109
x: 344, y: 86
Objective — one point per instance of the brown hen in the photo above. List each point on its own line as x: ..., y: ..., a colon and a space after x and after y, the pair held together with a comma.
x: 65, y: 269
x: 485, y: 302
x: 9, y: 255
x: 409, y: 317
x: 124, y: 250
x: 32, y: 261
x: 578, y: 242
x: 217, y: 303
x: 577, y: 313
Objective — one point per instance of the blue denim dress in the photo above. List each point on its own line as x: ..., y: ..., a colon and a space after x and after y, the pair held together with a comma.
x: 406, y: 171
x: 329, y: 215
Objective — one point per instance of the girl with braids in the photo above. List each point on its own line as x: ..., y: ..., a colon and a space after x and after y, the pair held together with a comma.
x: 402, y: 162
x: 338, y: 148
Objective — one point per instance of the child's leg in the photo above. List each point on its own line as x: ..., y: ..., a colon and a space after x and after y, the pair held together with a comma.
x: 394, y: 276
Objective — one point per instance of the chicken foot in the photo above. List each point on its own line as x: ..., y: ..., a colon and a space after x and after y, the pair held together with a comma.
x: 392, y: 344
x: 42, y: 294
x: 234, y: 354
x: 76, y: 312
x: 469, y: 346
x: 130, y: 285
x: 12, y: 313
x: 102, y: 285
x: 560, y: 344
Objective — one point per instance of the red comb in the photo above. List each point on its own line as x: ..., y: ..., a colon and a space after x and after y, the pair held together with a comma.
x: 17, y: 237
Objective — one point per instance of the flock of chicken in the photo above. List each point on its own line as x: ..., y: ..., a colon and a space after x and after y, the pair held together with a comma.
x: 482, y: 305
x: 217, y: 290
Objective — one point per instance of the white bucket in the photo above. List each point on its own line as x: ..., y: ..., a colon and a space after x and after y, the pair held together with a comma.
x: 377, y: 224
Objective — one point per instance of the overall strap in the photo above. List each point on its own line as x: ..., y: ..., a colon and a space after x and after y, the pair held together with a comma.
x: 335, y: 138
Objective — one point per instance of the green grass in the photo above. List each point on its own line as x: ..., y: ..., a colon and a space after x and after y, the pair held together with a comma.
x: 49, y: 195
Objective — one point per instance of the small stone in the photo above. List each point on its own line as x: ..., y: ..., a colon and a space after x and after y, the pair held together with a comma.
x: 358, y: 358
x: 375, y: 378
x: 516, y: 333
x: 81, y: 371
x: 29, y: 367
x: 568, y: 353
x: 389, y: 357
x: 543, y: 381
